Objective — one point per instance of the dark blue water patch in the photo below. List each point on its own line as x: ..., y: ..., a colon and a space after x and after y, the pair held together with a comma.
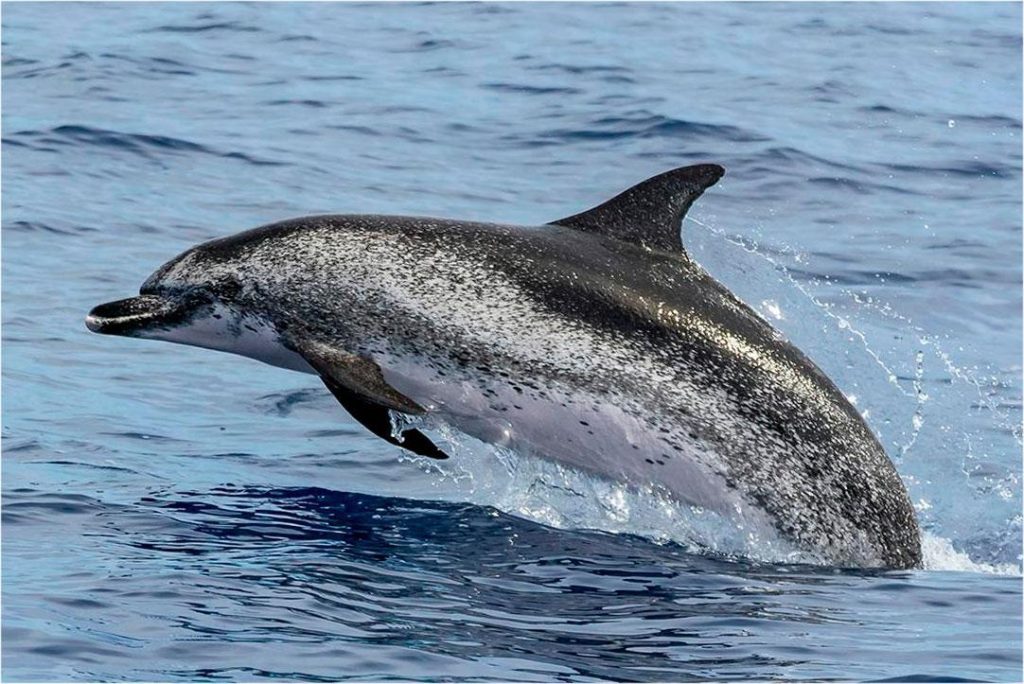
x: 994, y: 121
x: 39, y: 71
x: 638, y: 127
x: 444, y: 72
x: 427, y: 45
x: 857, y: 186
x: 329, y: 78
x: 407, y: 532
x: 957, y: 278
x: 888, y: 109
x: 283, y: 404
x: 831, y: 91
x: 581, y: 69
x: 310, y: 553
x: 959, y: 244
x: 25, y: 504
x: 361, y: 130
x: 140, y: 144
x: 987, y: 38
x: 963, y: 169
x: 366, y: 526
x: 299, y: 38
x: 92, y: 466
x: 35, y: 226
x: 398, y: 132
x: 888, y: 29
x: 164, y: 66
x: 109, y: 68
x: 18, y: 61
x: 647, y: 125
x: 13, y: 445
x: 432, y: 44
x: 526, y: 89
x: 14, y: 143
x: 131, y: 141
x: 781, y: 159
x: 155, y: 65
x: 927, y: 678
x: 312, y: 104
x: 205, y: 27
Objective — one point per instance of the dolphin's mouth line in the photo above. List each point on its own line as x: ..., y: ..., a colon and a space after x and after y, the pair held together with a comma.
x: 132, y: 316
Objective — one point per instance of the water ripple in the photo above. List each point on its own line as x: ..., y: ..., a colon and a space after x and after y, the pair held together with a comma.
x: 215, y: 26
x: 143, y: 145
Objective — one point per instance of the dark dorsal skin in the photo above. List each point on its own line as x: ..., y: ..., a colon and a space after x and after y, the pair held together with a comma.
x: 593, y: 341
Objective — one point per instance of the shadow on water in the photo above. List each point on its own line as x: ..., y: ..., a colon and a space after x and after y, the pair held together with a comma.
x: 390, y: 528
x: 468, y: 582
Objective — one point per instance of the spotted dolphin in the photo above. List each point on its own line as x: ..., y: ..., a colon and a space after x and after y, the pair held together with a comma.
x: 593, y: 341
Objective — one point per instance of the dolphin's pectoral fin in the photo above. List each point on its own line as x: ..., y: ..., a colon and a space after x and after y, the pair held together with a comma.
x: 375, y: 418
x: 649, y: 213
x: 357, y: 374
x: 359, y: 386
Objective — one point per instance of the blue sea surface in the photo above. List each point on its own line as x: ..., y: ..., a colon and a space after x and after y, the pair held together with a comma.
x: 171, y: 513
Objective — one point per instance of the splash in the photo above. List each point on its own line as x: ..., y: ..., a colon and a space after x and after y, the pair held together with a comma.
x: 552, y: 494
x: 952, y: 434
x: 939, y: 554
x: 894, y: 388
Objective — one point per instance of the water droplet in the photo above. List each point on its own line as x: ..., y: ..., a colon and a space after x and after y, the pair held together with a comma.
x: 773, y: 309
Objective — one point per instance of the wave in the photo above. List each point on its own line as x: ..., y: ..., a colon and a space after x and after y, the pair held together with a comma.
x: 37, y: 226
x: 939, y: 554
x: 551, y: 494
x: 638, y: 125
x: 531, y: 89
x: 964, y: 169
x: 143, y: 145
x: 231, y: 26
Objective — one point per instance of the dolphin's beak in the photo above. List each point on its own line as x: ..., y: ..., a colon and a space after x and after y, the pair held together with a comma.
x: 130, y: 317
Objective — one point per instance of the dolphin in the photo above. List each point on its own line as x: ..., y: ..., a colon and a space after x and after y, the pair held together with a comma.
x: 593, y: 341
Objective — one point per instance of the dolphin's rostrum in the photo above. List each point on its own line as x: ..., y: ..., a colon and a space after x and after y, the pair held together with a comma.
x: 593, y: 341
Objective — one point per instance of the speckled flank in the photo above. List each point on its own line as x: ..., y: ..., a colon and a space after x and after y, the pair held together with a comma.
x: 625, y: 361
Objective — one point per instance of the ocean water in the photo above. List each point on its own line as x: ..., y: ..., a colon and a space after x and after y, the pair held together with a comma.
x: 171, y: 513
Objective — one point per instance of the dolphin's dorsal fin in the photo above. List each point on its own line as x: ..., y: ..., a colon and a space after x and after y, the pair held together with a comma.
x: 651, y: 212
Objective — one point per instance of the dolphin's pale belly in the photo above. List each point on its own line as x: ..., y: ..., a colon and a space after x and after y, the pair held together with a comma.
x: 224, y: 329
x: 579, y: 429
